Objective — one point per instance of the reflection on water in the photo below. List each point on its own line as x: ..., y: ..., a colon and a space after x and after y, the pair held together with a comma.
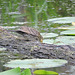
x: 35, y: 14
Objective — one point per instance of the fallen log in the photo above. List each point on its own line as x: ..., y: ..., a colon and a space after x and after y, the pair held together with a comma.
x: 17, y: 47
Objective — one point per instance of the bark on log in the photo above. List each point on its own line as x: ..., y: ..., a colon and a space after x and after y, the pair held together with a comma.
x: 17, y: 47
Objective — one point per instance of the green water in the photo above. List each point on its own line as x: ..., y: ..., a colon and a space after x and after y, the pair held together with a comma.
x: 35, y: 13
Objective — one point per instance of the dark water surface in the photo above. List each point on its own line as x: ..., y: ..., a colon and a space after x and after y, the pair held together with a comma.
x: 35, y: 13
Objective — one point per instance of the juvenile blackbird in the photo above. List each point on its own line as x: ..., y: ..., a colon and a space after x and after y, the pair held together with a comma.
x: 30, y: 34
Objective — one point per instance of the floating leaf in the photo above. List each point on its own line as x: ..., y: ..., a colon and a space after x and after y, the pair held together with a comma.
x: 68, y: 32
x: 26, y: 72
x: 70, y: 27
x: 48, y: 41
x: 44, y: 72
x: 39, y: 72
x: 49, y: 35
x: 65, y: 40
x: 15, y: 71
x: 62, y: 20
x: 36, y: 63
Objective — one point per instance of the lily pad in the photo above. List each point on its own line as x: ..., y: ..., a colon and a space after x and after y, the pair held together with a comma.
x: 15, y: 71
x: 44, y: 72
x: 65, y: 40
x: 62, y: 20
x: 48, y: 41
x: 68, y: 32
x: 26, y: 72
x: 36, y: 63
x: 70, y: 27
x: 49, y: 35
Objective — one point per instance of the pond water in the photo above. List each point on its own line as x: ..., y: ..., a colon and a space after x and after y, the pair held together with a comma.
x: 35, y: 13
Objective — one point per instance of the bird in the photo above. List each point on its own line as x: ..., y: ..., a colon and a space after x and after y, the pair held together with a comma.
x: 30, y: 34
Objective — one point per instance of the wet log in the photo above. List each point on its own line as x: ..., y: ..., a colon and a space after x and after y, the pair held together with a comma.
x: 17, y: 47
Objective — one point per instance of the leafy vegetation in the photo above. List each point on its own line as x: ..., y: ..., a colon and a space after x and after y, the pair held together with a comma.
x: 44, y: 72
x: 33, y: 63
x: 61, y: 40
x: 68, y: 32
x: 36, y: 63
x: 17, y: 71
x: 49, y: 35
x: 62, y: 20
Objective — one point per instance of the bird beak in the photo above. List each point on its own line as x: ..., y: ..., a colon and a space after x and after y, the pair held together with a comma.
x: 41, y: 40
